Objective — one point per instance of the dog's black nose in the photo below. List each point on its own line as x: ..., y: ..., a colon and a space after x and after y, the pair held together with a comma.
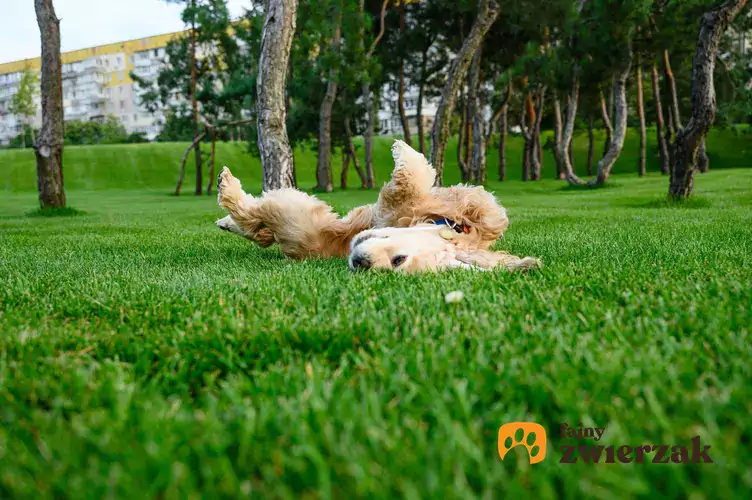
x: 360, y: 262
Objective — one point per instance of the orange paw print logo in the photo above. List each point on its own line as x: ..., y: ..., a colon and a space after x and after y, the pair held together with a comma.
x: 528, y: 434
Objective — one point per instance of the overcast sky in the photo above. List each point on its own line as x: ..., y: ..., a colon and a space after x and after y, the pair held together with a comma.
x: 86, y: 23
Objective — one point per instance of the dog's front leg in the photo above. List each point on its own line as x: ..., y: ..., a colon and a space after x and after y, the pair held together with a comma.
x: 490, y: 260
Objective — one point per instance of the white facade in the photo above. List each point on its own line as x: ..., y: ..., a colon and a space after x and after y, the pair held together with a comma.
x: 389, y: 116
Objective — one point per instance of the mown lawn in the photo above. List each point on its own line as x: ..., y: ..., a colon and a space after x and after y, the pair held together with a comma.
x: 144, y: 353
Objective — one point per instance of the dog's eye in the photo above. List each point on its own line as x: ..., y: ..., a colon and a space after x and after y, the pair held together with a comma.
x: 398, y: 260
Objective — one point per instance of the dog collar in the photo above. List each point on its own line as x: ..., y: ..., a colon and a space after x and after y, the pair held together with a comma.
x: 460, y: 228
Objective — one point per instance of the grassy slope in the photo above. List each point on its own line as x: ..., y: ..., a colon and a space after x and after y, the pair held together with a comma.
x: 143, y: 352
x: 148, y: 166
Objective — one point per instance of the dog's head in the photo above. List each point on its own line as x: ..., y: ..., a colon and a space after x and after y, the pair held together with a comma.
x: 410, y: 249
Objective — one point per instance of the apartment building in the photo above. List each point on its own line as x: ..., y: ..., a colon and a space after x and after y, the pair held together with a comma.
x: 96, y: 84
x: 389, y: 116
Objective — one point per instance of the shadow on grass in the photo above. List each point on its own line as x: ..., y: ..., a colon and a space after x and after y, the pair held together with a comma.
x: 55, y: 212
x: 589, y: 187
x: 691, y: 203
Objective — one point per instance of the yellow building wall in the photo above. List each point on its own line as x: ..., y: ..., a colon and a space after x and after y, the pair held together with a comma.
x: 126, y: 48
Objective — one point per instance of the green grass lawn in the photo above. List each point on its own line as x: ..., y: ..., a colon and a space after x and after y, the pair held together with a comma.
x: 144, y: 353
x: 155, y: 166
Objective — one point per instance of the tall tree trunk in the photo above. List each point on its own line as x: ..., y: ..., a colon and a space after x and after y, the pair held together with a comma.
x: 468, y: 114
x: 612, y: 101
x: 499, y: 115
x: 401, y: 106
x: 702, y: 159
x: 401, y: 89
x: 212, y: 160
x: 687, y: 145
x: 659, y: 122
x: 671, y: 128
x: 49, y: 146
x: 562, y: 150
x: 503, y: 120
x: 461, y: 144
x: 606, y: 125
x: 477, y: 120
x: 351, y: 152
x: 673, y: 95
x: 194, y: 104
x: 641, y: 114
x: 488, y: 11
x: 530, y: 163
x: 591, y: 146
x: 468, y: 150
x: 324, y: 163
x: 703, y: 162
x: 527, y: 149
x: 274, y: 145
x: 419, y: 110
x: 527, y: 115
x: 620, y: 126
x: 537, y: 164
x: 570, y: 151
x: 371, y: 101
x: 372, y: 111
x: 345, y: 167
x: 557, y: 135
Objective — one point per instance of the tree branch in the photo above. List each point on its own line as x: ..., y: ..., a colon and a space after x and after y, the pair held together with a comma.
x: 381, y: 29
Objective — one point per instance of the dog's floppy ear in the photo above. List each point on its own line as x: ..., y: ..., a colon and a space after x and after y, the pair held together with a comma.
x: 488, y: 260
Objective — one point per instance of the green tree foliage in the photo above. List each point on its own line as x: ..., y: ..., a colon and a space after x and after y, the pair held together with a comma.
x: 22, y: 103
x: 109, y: 131
x: 534, y: 44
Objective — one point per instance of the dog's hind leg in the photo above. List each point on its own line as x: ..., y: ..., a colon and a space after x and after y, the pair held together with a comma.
x: 412, y: 180
x: 412, y: 175
x: 303, y: 225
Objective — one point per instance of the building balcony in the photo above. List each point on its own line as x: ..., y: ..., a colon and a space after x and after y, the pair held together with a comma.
x: 140, y: 62
x: 7, y: 82
x: 77, y: 113
x: 88, y: 98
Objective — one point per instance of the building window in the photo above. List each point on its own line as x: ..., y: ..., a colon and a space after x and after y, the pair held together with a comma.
x: 120, y: 75
x: 122, y: 104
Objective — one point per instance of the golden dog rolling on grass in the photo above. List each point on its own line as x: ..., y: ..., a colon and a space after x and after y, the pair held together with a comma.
x: 413, y: 226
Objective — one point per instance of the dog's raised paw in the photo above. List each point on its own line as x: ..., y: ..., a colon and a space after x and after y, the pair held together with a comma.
x: 228, y: 187
x: 223, y: 176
